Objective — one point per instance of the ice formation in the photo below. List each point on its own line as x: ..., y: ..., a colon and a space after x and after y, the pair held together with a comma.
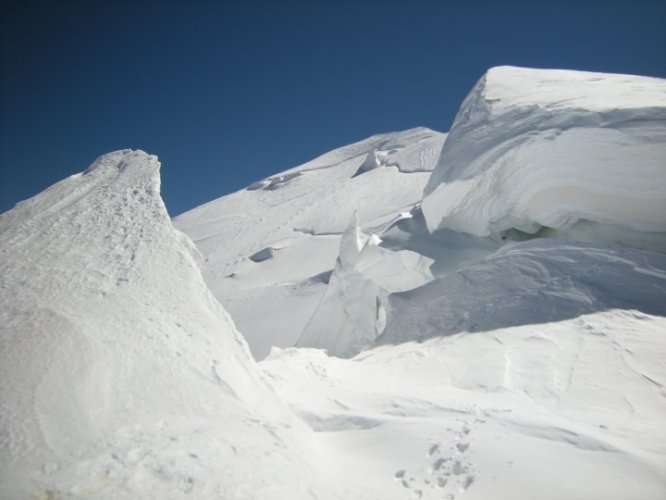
x: 120, y: 373
x: 351, y: 314
x: 549, y: 148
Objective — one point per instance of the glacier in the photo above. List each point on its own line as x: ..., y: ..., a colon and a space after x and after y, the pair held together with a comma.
x: 532, y: 149
x: 490, y: 324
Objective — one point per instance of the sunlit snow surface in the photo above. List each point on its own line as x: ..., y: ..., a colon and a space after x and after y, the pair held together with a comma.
x: 121, y: 375
x: 548, y: 148
x: 532, y: 365
x: 527, y: 362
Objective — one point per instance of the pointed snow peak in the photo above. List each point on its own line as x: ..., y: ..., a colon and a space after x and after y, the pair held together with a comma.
x: 124, y: 178
x: 351, y: 244
x: 123, y: 159
x: 110, y: 335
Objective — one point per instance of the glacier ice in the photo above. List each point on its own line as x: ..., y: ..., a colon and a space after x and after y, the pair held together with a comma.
x: 552, y: 148
x: 350, y: 315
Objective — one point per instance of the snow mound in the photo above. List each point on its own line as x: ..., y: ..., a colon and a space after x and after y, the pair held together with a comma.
x: 350, y: 315
x: 121, y: 374
x: 552, y: 148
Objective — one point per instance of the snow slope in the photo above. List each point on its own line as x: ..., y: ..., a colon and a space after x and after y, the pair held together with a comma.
x: 121, y: 375
x: 271, y: 247
x: 568, y: 409
x: 512, y: 325
x: 549, y: 148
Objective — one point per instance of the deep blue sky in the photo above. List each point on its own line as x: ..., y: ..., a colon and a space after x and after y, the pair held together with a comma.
x: 228, y: 92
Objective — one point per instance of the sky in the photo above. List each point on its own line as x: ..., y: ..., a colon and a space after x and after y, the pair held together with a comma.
x: 229, y: 92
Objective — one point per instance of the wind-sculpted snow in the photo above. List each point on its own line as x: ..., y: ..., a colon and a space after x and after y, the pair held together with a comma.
x: 296, y: 218
x: 538, y: 281
x: 121, y: 375
x: 548, y: 148
x: 568, y: 409
x: 350, y: 315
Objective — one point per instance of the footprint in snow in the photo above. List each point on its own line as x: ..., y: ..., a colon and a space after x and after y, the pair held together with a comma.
x: 462, y: 446
x: 450, y: 468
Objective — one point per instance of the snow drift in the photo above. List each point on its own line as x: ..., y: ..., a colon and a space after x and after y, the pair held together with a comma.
x: 121, y: 374
x: 551, y: 148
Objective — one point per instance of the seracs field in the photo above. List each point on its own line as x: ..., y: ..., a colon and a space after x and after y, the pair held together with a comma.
x: 472, y: 315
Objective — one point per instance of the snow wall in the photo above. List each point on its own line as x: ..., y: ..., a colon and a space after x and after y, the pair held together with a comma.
x: 580, y: 153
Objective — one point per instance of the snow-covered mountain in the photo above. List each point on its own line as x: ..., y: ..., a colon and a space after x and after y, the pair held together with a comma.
x: 493, y: 304
x: 270, y: 248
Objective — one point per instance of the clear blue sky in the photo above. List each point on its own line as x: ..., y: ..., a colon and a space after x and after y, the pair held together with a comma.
x: 228, y: 92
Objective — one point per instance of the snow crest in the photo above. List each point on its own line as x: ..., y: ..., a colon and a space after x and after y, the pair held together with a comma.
x: 120, y: 371
x: 552, y: 148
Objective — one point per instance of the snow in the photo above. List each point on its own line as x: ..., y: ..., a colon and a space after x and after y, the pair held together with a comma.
x: 501, y: 337
x: 350, y: 315
x: 121, y: 374
x: 568, y: 409
x: 549, y: 148
x: 301, y: 214
x: 529, y: 283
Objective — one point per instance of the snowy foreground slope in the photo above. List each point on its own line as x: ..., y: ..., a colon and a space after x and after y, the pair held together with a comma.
x: 504, y: 341
x: 121, y: 375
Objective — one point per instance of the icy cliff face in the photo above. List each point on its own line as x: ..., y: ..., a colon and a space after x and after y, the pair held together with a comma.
x: 555, y: 149
x: 351, y: 313
x: 119, y: 368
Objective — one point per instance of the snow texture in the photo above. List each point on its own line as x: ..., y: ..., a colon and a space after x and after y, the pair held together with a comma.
x: 529, y: 283
x: 511, y: 326
x: 549, y: 148
x: 121, y: 375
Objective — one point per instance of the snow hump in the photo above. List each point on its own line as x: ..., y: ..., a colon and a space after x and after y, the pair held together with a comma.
x: 548, y: 148
x: 111, y: 343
